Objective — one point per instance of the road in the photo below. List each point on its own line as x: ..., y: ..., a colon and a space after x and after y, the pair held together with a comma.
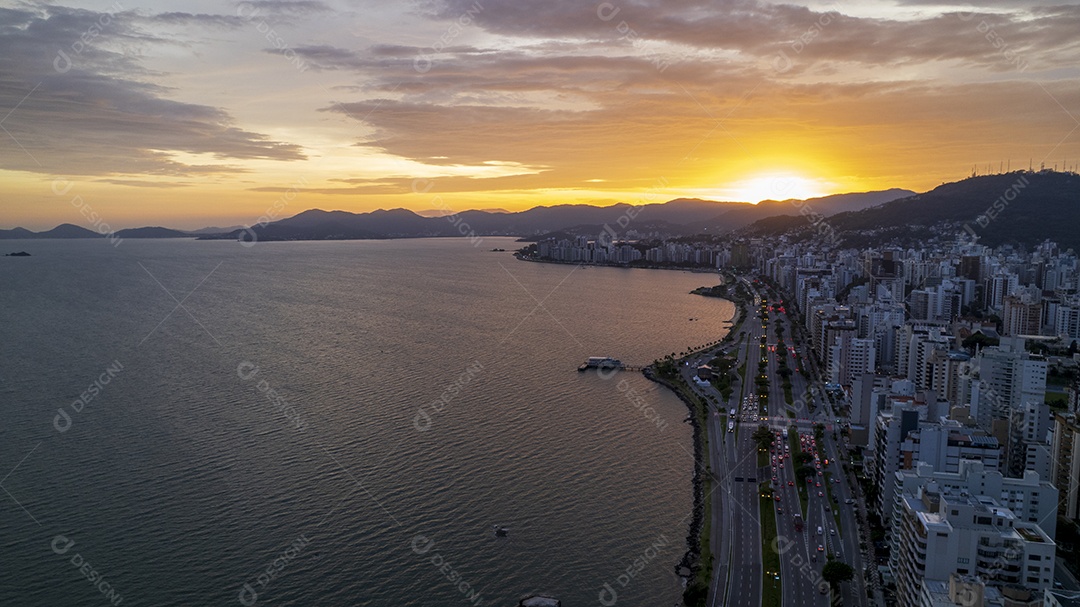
x: 736, y: 530
x: 735, y: 535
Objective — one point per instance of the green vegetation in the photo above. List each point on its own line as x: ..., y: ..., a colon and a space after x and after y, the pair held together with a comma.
x: 717, y: 291
x: 835, y: 572
x: 783, y: 370
x: 771, y: 595
x: 978, y: 339
x: 696, y: 593
x: 722, y: 374
x: 763, y: 437
x: 802, y: 472
x: 1045, y: 208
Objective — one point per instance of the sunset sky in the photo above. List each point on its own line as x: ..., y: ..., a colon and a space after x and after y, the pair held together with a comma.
x: 196, y: 113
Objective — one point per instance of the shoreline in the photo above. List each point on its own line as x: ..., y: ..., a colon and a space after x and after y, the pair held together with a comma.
x: 690, y: 563
x: 693, y: 269
x: 692, y: 558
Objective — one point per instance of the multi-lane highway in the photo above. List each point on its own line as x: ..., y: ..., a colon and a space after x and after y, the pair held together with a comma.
x: 736, y: 526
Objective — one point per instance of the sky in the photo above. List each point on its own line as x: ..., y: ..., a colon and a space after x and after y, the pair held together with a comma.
x: 194, y: 113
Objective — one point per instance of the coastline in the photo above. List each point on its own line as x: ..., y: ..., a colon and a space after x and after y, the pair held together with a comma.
x: 694, y: 269
x: 691, y: 561
x: 690, y: 564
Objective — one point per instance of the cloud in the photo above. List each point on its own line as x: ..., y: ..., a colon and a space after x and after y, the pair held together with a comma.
x: 78, y: 101
x: 136, y: 183
x: 761, y: 29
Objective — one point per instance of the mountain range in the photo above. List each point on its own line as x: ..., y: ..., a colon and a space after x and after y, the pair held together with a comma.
x: 673, y: 218
x: 1021, y: 207
x: 1018, y: 207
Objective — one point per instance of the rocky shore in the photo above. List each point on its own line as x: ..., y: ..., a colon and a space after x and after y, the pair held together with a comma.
x: 690, y: 561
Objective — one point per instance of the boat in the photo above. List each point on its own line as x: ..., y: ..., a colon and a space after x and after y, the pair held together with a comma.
x: 500, y: 531
x: 601, y: 362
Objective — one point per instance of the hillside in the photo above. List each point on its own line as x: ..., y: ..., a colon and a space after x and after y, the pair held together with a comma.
x: 152, y: 232
x: 1012, y: 208
x: 679, y: 217
x: 673, y: 218
x: 1021, y: 207
x: 64, y: 230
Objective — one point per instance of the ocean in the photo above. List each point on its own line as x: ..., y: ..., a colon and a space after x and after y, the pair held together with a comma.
x: 338, y: 423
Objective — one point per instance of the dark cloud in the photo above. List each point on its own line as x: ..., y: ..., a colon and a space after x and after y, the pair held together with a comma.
x: 78, y: 101
x: 760, y: 29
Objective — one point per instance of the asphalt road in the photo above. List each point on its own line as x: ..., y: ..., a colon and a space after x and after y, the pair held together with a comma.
x: 736, y: 528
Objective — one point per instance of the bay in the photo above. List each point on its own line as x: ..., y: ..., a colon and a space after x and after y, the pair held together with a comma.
x: 376, y: 405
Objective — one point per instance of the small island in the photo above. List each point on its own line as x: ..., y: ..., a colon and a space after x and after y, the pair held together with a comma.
x: 19, y: 254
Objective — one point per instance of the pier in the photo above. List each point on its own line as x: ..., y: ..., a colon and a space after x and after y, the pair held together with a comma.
x: 608, y: 363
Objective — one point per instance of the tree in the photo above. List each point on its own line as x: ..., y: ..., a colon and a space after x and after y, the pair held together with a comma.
x: 804, y: 472
x: 763, y: 436
x: 835, y: 572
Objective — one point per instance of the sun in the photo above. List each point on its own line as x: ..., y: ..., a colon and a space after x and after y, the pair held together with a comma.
x: 776, y: 186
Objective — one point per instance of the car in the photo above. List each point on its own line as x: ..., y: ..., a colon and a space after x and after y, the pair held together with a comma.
x: 820, y: 548
x: 820, y: 530
x: 778, y: 498
x: 820, y: 494
x: 836, y: 480
x: 832, y: 531
x: 817, y: 484
x: 774, y: 479
x: 823, y: 589
x: 791, y: 483
x: 779, y: 509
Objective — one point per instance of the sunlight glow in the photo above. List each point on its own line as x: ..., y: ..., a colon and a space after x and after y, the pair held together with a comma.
x: 776, y: 186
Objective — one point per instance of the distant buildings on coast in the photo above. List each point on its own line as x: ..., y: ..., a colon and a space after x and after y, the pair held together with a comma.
x: 958, y: 367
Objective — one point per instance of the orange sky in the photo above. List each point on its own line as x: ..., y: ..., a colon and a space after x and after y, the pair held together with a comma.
x: 156, y: 116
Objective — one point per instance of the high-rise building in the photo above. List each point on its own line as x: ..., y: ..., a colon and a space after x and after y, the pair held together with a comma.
x: 1067, y: 322
x: 1065, y: 468
x: 1021, y: 316
x: 857, y: 360
x: 944, y: 532
x: 1031, y: 498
